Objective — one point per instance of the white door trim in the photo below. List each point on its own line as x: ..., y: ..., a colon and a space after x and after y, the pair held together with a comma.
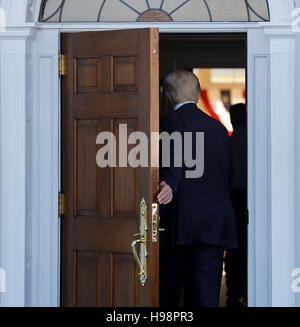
x: 262, y: 258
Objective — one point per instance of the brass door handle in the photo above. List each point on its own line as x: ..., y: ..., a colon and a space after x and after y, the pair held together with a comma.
x: 141, y: 260
x: 134, y: 251
x: 142, y: 274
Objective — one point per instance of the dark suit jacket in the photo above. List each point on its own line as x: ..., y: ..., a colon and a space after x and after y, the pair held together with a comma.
x: 201, y: 209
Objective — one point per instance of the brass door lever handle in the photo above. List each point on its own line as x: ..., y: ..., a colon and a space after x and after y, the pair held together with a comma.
x: 135, y: 254
x: 141, y: 259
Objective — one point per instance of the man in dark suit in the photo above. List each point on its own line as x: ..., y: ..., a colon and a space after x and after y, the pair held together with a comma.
x: 196, y: 213
x: 236, y: 259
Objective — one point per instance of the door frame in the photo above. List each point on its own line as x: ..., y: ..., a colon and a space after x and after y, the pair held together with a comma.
x: 264, y: 263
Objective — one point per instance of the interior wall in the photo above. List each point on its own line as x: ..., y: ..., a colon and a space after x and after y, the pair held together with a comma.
x: 205, y: 50
x: 214, y: 94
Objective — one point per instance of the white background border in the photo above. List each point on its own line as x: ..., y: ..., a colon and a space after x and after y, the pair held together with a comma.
x: 30, y: 171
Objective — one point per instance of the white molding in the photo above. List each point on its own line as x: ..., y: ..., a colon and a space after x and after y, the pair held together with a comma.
x: 281, y: 11
x: 21, y: 32
x: 282, y: 52
x: 297, y: 159
x: 46, y: 171
x: 13, y: 169
x: 259, y: 269
x: 33, y: 10
x: 180, y: 27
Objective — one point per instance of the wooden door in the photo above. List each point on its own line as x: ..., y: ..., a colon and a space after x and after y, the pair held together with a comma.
x: 111, y: 78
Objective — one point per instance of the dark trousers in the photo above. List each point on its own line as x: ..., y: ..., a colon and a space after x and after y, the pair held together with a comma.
x: 197, y: 269
x: 236, y: 259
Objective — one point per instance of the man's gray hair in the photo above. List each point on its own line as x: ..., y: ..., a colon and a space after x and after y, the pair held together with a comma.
x: 181, y: 86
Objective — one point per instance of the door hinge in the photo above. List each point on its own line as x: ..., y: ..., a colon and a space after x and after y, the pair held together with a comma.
x: 62, y: 65
x: 61, y: 204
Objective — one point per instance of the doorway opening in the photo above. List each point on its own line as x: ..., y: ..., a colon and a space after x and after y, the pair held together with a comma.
x: 220, y: 63
x: 106, y: 207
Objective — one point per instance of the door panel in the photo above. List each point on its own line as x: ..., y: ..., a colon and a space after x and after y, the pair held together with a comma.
x: 112, y: 78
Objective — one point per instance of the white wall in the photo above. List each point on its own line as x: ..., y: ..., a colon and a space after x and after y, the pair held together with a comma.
x: 297, y: 155
x: 1, y: 188
x: 16, y: 146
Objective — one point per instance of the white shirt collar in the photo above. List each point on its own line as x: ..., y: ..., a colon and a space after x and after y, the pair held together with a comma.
x: 183, y: 103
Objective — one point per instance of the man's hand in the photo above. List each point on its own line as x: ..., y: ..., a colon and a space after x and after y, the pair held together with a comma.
x: 166, y: 194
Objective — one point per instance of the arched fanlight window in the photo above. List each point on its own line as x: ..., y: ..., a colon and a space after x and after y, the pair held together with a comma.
x: 154, y: 11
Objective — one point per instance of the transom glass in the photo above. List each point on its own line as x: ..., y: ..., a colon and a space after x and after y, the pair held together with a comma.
x: 154, y: 11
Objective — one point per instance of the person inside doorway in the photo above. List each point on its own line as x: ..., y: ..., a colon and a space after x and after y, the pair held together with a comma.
x: 235, y: 259
x: 196, y: 213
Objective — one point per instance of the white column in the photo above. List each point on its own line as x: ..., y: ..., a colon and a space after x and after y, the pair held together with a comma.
x: 45, y: 238
x: 297, y: 159
x: 259, y: 234
x: 282, y: 54
x: 13, y: 46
